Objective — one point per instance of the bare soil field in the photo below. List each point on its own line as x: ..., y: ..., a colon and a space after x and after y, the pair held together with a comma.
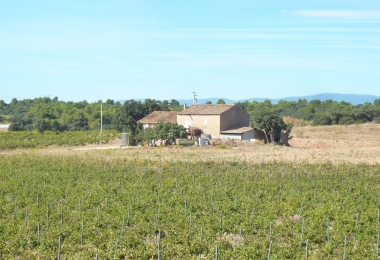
x: 337, y: 144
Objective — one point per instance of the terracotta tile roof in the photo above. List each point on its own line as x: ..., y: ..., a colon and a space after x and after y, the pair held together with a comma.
x: 206, y: 109
x: 238, y: 130
x: 160, y: 116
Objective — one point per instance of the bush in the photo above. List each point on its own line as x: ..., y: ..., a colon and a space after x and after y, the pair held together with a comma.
x: 23, y: 139
x: 322, y: 119
x: 346, y: 120
x: 376, y: 120
x: 216, y: 141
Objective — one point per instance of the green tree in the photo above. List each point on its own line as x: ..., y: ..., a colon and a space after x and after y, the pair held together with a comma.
x: 346, y: 120
x: 209, y: 102
x: 241, y: 105
x: 127, y: 116
x: 56, y: 126
x: 269, y: 122
x: 110, y: 102
x: 166, y: 132
x: 307, y: 112
x: 80, y: 123
x: 2, y: 119
x: 174, y: 103
x: 2, y: 106
x: 322, y: 119
x: 175, y: 106
x: 164, y: 105
x: 151, y: 105
x: 19, y: 124
x: 42, y: 125
x: 145, y: 135
x: 220, y: 102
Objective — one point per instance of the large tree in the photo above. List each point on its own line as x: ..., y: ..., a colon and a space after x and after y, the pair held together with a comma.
x: 269, y: 122
x: 174, y: 105
x: 131, y: 111
x: 166, y: 132
x: 127, y: 115
x: 42, y: 125
x: 151, y: 105
x: 80, y: 123
x: 322, y: 119
x: 19, y: 123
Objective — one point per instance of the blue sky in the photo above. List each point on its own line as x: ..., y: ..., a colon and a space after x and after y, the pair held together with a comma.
x: 124, y: 49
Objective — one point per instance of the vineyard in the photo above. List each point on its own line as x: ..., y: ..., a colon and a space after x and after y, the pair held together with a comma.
x: 13, y: 140
x: 101, y: 207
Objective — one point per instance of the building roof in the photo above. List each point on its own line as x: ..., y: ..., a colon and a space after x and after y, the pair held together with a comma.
x: 240, y: 130
x: 160, y: 116
x: 206, y: 109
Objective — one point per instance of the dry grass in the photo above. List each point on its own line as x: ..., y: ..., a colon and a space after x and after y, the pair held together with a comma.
x: 296, y: 122
x: 337, y: 144
x: 366, y: 134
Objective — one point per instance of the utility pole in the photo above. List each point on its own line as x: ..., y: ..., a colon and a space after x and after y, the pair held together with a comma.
x: 101, y: 119
x: 194, y: 97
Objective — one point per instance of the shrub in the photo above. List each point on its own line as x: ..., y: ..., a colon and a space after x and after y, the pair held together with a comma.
x: 346, y: 120
x: 322, y: 119
x: 216, y: 141
x: 376, y: 120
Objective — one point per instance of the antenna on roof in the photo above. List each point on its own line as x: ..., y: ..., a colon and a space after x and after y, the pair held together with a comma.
x: 194, y: 97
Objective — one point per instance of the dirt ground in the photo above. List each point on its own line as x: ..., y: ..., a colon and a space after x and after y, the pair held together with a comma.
x: 337, y: 144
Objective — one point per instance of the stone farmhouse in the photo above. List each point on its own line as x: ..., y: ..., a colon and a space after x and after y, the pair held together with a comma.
x: 213, y: 119
x: 223, y: 121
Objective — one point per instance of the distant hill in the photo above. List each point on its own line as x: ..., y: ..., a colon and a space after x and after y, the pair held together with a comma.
x: 354, y: 99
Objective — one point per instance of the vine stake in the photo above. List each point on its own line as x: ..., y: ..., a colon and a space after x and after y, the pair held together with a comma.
x: 59, y: 248
x: 82, y: 233
x: 269, y: 250
x: 345, y: 247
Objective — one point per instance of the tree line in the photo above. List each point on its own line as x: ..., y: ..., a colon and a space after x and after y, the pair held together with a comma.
x: 319, y: 112
x: 46, y: 114
x: 50, y: 114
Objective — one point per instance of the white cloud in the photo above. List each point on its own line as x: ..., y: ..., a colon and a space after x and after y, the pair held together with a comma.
x: 345, y: 14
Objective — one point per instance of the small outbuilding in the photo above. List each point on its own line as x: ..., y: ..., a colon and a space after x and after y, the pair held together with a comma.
x: 242, y: 134
x: 4, y: 127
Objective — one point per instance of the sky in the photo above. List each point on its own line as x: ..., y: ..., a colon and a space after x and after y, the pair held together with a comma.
x: 237, y: 49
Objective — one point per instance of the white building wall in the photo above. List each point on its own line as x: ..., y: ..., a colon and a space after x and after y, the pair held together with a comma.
x: 209, y: 124
x: 231, y: 136
x: 4, y: 127
x: 248, y: 135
